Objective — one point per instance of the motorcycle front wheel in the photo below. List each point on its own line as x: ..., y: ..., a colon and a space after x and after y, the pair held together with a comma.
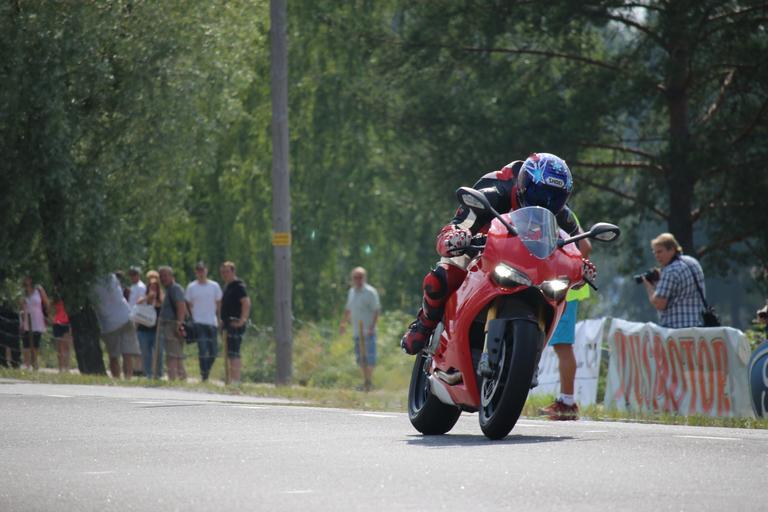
x: 428, y: 415
x: 503, y: 395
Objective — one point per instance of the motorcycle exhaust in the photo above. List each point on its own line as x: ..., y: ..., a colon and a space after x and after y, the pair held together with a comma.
x: 437, y: 387
x: 449, y: 378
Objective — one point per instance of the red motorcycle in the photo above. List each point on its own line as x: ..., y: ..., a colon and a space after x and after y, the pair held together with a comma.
x: 483, y: 356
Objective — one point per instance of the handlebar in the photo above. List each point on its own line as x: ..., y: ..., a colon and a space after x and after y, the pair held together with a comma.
x: 476, y: 246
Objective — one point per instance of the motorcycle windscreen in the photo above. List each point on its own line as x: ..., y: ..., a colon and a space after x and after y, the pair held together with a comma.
x: 537, y: 229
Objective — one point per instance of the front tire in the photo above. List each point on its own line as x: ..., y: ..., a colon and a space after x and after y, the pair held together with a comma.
x: 503, y: 395
x: 428, y: 415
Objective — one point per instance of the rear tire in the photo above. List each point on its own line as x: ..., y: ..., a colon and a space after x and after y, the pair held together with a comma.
x: 503, y: 396
x: 427, y: 413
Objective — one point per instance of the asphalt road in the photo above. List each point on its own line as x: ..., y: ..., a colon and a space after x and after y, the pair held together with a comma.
x: 95, y: 448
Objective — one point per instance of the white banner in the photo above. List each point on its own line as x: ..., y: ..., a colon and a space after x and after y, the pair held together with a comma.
x: 589, y: 335
x: 683, y: 371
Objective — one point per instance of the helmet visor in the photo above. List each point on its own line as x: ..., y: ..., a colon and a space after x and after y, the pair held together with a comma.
x: 553, y: 199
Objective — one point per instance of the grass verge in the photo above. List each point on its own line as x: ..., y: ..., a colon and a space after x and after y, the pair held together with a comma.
x: 327, y: 375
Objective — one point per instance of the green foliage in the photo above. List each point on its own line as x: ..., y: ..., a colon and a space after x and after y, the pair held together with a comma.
x: 114, y: 105
x: 756, y: 336
x: 324, y: 359
x: 138, y: 132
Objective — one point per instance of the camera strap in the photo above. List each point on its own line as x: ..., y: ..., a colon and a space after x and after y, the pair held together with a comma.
x: 696, y: 282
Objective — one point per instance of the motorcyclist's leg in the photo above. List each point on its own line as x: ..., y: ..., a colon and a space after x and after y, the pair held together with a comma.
x: 438, y: 287
x: 439, y: 284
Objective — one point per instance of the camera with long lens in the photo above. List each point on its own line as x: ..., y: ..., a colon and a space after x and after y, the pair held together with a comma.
x: 651, y: 275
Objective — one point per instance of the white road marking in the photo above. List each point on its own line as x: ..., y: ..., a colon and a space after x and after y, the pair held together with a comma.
x: 711, y: 437
x: 535, y: 425
x: 59, y: 396
x: 595, y: 431
x: 368, y: 415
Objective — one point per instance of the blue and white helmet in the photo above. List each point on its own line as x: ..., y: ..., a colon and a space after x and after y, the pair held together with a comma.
x: 544, y: 180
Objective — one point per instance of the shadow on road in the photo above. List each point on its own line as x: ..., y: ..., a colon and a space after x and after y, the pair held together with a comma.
x: 479, y: 440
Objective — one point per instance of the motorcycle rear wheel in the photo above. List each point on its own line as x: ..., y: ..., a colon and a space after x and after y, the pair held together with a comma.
x: 503, y: 396
x: 427, y: 413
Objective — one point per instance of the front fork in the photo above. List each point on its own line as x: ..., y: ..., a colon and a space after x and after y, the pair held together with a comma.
x: 484, y: 370
x: 493, y: 336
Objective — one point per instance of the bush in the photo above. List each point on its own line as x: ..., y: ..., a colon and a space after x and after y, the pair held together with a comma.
x: 323, y: 358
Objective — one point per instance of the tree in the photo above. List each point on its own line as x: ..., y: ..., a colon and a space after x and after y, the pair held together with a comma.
x: 108, y: 107
x: 682, y: 101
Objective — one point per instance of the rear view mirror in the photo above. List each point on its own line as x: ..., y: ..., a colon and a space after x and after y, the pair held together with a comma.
x: 604, y: 232
x: 601, y: 231
x: 473, y: 199
x: 477, y: 201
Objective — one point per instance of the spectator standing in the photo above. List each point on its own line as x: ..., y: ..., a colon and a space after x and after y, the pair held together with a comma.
x: 117, y: 330
x: 121, y: 279
x: 10, y: 345
x: 235, y: 310
x: 362, y: 308
x: 62, y: 336
x: 137, y: 289
x: 565, y: 407
x: 172, y: 315
x: 151, y: 349
x: 204, y: 299
x: 34, y: 308
x: 675, y: 296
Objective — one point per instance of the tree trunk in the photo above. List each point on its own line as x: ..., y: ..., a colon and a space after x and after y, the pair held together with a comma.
x: 85, y: 332
x: 681, y: 176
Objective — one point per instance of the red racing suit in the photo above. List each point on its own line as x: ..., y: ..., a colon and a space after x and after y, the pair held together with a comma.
x: 500, y: 188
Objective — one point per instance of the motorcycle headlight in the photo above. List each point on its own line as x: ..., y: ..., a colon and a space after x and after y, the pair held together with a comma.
x: 508, y: 277
x: 555, y: 289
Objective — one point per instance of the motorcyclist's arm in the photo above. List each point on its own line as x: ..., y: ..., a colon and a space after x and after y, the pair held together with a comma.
x: 585, y: 246
x: 568, y: 221
x: 456, y: 236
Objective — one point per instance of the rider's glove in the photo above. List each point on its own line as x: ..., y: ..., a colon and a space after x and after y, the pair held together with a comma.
x: 589, y: 270
x: 453, y: 240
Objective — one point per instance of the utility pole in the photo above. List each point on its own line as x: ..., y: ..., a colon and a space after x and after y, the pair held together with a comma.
x: 281, y: 192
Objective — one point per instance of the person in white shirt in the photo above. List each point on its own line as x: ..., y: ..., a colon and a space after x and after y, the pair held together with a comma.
x: 138, y: 288
x: 204, y: 298
x: 137, y: 291
x: 34, y: 307
x: 362, y: 311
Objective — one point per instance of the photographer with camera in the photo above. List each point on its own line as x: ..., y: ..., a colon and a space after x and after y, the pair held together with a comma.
x: 674, y: 289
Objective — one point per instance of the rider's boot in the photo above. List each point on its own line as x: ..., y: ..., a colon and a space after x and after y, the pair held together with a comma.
x: 417, y: 336
x: 438, y: 285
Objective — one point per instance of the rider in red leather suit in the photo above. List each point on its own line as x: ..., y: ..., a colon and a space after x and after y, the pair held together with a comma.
x: 548, y: 183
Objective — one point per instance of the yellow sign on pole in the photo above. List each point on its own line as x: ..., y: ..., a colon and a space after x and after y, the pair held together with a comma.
x: 281, y: 239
